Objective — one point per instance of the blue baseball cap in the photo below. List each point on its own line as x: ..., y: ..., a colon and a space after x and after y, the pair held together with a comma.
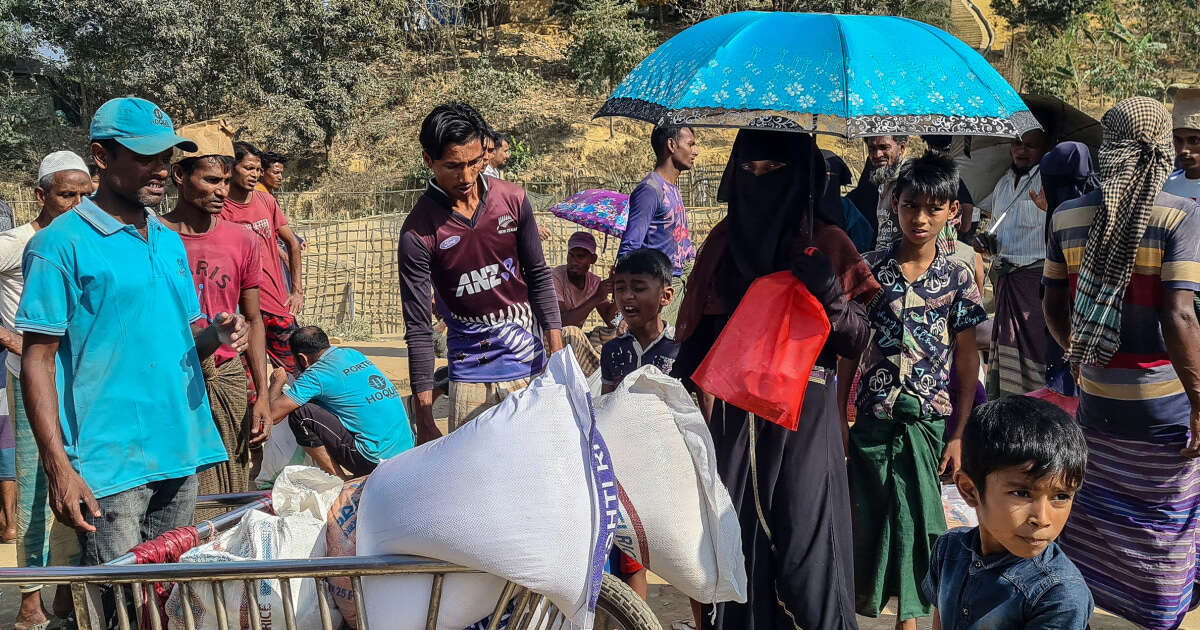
x: 139, y: 125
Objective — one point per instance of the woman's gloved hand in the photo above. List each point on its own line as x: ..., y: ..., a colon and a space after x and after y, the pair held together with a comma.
x: 814, y: 269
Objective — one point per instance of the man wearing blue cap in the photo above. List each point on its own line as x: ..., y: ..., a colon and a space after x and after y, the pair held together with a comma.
x: 108, y: 292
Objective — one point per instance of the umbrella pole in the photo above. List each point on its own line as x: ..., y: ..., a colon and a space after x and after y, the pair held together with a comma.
x: 812, y: 181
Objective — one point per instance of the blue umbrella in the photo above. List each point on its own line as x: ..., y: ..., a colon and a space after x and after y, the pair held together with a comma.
x: 846, y: 75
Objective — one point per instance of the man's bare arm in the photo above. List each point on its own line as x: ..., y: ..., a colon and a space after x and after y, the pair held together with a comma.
x: 1181, y: 331
x: 69, y: 496
x: 295, y: 300
x: 11, y: 340
x: 1056, y: 306
x: 256, y: 356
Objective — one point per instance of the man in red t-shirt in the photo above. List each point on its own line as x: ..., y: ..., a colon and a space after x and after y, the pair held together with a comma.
x: 259, y: 212
x: 226, y: 267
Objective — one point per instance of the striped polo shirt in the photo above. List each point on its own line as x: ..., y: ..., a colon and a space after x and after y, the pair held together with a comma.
x: 1137, y: 395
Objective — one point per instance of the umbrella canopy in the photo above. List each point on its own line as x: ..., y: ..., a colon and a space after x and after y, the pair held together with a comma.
x: 1062, y: 119
x: 600, y: 210
x: 846, y: 75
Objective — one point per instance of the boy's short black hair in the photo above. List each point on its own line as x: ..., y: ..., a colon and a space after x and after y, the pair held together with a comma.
x: 1020, y: 430
x: 646, y: 261
x: 308, y: 340
x: 662, y: 133
x: 451, y: 124
x: 933, y: 175
x: 242, y: 149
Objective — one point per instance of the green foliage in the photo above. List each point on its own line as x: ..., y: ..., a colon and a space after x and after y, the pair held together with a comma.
x: 1049, y: 67
x: 497, y: 92
x: 1052, y: 15
x: 17, y: 111
x: 605, y: 44
x: 1125, y: 64
x: 519, y: 156
x: 935, y: 12
x: 199, y: 59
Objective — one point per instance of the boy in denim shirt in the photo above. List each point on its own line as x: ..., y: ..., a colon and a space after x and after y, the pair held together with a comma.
x: 1023, y: 460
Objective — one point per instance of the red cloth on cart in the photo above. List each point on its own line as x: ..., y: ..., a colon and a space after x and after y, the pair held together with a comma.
x: 165, y: 548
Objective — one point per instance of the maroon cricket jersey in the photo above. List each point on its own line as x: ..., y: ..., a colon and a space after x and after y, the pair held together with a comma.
x: 490, y: 280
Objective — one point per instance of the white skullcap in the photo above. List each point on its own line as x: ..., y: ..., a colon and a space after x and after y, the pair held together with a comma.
x: 61, y: 161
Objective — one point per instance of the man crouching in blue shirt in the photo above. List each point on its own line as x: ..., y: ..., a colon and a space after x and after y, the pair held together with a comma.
x: 1023, y: 461
x: 113, y: 337
x: 345, y: 413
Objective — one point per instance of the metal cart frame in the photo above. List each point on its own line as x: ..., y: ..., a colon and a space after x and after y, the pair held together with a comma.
x: 132, y: 583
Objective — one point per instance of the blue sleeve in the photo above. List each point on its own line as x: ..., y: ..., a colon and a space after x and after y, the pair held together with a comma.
x: 643, y: 203
x: 49, y: 297
x: 305, y: 388
x: 1066, y: 606
x: 933, y: 577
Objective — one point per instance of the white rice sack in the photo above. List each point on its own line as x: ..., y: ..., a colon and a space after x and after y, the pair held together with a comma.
x: 260, y: 536
x: 524, y: 492
x: 676, y: 516
x: 305, y: 490
x: 280, y: 451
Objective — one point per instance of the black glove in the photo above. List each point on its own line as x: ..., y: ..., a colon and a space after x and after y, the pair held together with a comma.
x: 813, y: 269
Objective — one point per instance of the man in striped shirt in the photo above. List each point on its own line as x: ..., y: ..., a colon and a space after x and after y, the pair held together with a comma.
x: 1134, y: 530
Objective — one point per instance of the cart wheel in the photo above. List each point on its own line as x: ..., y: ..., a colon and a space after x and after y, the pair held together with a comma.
x: 619, y: 608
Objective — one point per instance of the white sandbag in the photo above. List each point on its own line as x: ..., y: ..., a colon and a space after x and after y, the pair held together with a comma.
x: 280, y: 451
x: 305, y: 490
x: 676, y: 516
x: 296, y: 534
x: 524, y: 492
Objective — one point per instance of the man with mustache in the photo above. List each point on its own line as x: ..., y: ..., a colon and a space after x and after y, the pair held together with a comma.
x: 884, y: 155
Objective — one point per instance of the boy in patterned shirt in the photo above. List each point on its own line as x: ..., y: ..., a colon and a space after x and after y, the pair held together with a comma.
x: 923, y: 320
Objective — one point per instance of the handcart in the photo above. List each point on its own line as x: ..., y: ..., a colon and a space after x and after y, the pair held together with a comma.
x: 134, y: 582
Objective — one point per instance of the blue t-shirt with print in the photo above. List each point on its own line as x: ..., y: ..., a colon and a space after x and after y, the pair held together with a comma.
x: 347, y: 384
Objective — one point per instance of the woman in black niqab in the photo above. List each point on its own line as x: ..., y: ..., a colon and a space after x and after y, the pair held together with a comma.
x: 789, y: 488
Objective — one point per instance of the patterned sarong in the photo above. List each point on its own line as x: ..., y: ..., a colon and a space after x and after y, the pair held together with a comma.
x: 1018, y: 361
x: 1132, y: 531
x: 226, y: 385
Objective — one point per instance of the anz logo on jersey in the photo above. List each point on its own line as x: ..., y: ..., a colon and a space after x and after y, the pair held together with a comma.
x: 485, y: 278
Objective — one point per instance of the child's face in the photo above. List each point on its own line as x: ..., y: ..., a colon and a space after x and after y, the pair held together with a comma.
x: 640, y: 297
x: 1017, y: 513
x: 921, y: 218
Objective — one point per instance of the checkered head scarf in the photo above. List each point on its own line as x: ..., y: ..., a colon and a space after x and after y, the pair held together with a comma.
x: 1135, y: 160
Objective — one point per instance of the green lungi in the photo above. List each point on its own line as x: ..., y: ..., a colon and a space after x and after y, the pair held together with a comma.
x: 897, y: 506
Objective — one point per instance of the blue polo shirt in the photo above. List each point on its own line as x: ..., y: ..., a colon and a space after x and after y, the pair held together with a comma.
x: 132, y: 401
x: 347, y: 384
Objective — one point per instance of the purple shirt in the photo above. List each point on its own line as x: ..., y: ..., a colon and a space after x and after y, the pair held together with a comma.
x: 657, y: 219
x: 493, y: 287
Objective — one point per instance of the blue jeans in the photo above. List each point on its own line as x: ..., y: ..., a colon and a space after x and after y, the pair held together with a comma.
x: 136, y: 515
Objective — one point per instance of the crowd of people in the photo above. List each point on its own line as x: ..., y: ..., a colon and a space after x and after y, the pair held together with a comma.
x: 150, y: 352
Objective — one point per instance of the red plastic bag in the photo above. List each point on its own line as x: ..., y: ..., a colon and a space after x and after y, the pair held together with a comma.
x: 763, y: 358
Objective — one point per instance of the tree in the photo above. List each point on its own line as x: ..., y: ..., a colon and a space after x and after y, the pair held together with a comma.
x: 199, y: 59
x: 605, y: 44
x: 1050, y: 15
